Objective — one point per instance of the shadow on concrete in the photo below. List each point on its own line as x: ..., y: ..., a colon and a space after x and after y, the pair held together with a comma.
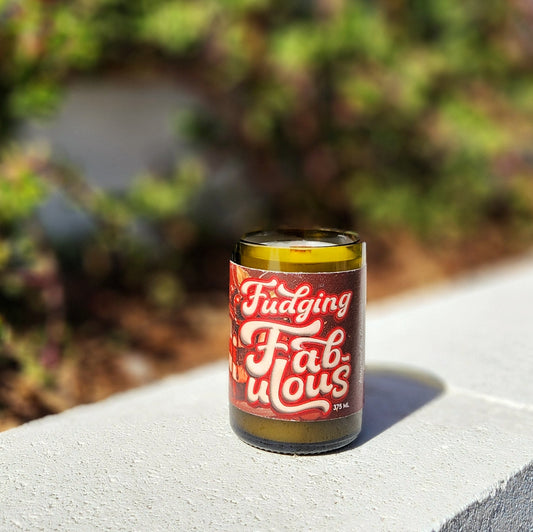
x: 392, y: 394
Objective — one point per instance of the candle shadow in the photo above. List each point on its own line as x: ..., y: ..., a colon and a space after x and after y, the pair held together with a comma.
x: 392, y: 394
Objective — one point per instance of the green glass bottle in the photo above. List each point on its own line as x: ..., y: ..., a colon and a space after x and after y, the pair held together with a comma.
x: 297, y: 303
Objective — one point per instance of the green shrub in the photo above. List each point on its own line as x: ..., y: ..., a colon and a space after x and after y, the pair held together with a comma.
x: 345, y: 112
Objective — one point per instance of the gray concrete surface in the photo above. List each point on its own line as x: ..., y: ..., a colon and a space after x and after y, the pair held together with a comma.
x: 114, y: 130
x: 447, y: 441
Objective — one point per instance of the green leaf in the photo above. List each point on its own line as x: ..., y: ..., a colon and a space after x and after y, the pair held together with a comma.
x: 176, y: 26
x: 21, y: 190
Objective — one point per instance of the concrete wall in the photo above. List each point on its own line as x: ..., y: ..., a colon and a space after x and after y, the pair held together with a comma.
x: 447, y: 442
x: 112, y: 131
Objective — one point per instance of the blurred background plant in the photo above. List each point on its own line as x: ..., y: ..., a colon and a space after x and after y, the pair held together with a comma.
x: 408, y: 120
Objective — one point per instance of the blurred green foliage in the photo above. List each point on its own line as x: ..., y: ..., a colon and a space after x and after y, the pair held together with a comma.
x: 391, y: 115
x: 374, y: 113
x: 385, y: 115
x: 21, y: 189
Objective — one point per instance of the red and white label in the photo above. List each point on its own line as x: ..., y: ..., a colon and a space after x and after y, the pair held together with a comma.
x: 297, y: 343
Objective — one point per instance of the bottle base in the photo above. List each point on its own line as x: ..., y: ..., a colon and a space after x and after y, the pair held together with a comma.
x: 296, y: 437
x: 294, y: 448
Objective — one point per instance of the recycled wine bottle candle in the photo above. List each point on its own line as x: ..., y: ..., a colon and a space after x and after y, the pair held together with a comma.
x: 296, y: 362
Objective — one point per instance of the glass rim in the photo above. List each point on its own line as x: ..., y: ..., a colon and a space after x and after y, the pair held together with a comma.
x: 292, y: 233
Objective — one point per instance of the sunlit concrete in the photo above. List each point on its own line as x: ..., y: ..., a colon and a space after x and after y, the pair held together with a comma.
x: 447, y: 440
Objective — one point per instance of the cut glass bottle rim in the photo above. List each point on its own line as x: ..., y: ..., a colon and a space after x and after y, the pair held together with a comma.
x: 301, y: 238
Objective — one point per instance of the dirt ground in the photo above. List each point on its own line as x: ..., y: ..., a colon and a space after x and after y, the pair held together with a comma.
x: 104, y: 361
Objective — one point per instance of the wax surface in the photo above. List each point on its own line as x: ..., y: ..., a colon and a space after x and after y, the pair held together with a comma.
x: 297, y: 244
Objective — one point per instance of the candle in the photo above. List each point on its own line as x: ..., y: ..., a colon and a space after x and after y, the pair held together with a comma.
x: 297, y: 303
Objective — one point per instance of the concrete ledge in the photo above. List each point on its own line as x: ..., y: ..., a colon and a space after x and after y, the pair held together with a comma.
x: 447, y: 441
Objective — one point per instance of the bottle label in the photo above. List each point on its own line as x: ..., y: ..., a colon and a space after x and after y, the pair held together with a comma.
x: 297, y: 343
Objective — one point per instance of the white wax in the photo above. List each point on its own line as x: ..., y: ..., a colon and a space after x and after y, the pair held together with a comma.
x: 297, y: 244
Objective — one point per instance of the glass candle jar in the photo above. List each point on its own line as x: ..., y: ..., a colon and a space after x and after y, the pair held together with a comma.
x: 296, y: 364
